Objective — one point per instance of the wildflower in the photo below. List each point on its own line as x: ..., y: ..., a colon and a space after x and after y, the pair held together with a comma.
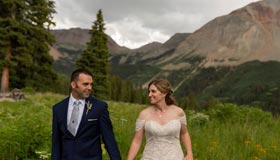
x: 246, y: 142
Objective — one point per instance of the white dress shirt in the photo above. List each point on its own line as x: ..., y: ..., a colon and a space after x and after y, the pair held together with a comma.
x: 70, y: 109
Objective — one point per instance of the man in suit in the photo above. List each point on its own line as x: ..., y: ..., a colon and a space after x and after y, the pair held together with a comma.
x: 79, y: 121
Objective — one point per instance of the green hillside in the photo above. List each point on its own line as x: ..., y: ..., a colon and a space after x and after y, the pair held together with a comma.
x: 138, y: 74
x: 226, y: 131
x: 254, y: 83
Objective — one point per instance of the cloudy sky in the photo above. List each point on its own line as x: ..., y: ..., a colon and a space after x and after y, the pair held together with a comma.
x: 133, y: 23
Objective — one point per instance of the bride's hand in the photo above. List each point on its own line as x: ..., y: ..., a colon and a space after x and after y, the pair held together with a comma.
x: 188, y: 157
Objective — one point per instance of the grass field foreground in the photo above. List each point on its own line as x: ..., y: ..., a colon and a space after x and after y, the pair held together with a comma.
x: 225, y: 132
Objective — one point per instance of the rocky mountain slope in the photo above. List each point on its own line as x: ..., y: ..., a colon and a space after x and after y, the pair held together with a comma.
x: 249, y: 33
x: 76, y: 39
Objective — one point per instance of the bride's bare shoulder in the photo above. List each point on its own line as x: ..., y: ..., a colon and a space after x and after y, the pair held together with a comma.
x: 179, y: 111
x: 145, y: 113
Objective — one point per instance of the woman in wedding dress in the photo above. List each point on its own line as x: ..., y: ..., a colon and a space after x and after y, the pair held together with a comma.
x: 164, y: 125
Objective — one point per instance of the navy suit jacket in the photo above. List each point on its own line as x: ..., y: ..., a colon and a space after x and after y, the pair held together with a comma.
x: 86, y: 145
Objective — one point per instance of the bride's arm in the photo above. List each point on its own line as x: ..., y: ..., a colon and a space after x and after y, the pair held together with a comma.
x: 135, y: 144
x: 185, y: 138
x: 138, y: 135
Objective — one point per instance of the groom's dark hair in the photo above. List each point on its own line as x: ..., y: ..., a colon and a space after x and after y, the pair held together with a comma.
x: 77, y: 72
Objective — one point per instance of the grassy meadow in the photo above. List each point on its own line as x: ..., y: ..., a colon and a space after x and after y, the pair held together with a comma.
x: 224, y: 132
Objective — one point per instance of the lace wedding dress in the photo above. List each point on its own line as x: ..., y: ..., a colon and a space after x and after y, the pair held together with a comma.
x: 162, y: 141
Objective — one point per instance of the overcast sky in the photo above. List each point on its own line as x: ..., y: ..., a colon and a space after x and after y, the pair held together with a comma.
x: 133, y: 23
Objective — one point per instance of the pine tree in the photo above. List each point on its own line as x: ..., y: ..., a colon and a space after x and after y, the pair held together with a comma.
x: 95, y: 58
x: 8, y: 12
x: 115, y: 87
x: 137, y: 95
x: 25, y: 41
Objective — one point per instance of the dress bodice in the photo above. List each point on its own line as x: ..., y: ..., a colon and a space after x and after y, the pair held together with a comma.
x: 162, y: 140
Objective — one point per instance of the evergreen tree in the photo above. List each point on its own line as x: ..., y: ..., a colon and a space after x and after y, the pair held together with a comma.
x: 95, y: 58
x: 115, y: 87
x: 189, y: 102
x: 123, y: 90
x: 137, y: 95
x: 24, y: 42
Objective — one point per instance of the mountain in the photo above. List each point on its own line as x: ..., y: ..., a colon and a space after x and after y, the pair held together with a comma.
x: 249, y: 33
x: 76, y: 39
x: 70, y: 43
x: 246, y: 34
x: 150, y: 53
x: 203, y: 63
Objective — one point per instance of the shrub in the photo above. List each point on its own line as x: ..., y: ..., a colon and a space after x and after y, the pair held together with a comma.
x: 198, y: 119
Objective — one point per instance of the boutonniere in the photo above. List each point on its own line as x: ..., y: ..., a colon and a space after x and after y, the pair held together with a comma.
x: 89, y: 106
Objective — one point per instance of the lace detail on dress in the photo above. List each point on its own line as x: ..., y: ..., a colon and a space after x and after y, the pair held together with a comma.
x: 139, y: 124
x: 162, y: 141
x: 183, y: 120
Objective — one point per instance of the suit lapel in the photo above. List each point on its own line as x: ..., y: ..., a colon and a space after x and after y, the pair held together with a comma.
x: 64, y: 118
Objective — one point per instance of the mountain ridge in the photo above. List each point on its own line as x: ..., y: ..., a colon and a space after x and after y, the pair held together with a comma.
x: 246, y: 34
x: 236, y: 38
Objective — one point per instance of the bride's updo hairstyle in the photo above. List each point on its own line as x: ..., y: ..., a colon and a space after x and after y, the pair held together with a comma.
x: 164, y: 87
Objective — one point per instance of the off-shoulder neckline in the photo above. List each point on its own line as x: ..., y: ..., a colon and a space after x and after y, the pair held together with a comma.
x: 178, y: 119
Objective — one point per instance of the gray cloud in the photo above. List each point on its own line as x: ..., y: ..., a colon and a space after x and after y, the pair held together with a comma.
x: 134, y: 23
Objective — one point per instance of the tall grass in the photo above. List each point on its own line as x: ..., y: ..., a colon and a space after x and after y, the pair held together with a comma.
x: 225, y: 132
x: 25, y: 127
x: 123, y: 116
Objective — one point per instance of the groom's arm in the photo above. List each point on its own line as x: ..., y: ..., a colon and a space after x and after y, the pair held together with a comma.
x: 56, y: 139
x: 108, y: 135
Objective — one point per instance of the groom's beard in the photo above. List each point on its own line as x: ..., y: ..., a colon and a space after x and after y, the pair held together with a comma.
x: 82, y: 93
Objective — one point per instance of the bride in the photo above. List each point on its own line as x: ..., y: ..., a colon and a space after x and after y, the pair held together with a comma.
x: 164, y: 125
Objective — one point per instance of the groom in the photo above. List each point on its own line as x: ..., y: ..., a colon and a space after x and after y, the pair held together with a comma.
x: 78, y: 123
